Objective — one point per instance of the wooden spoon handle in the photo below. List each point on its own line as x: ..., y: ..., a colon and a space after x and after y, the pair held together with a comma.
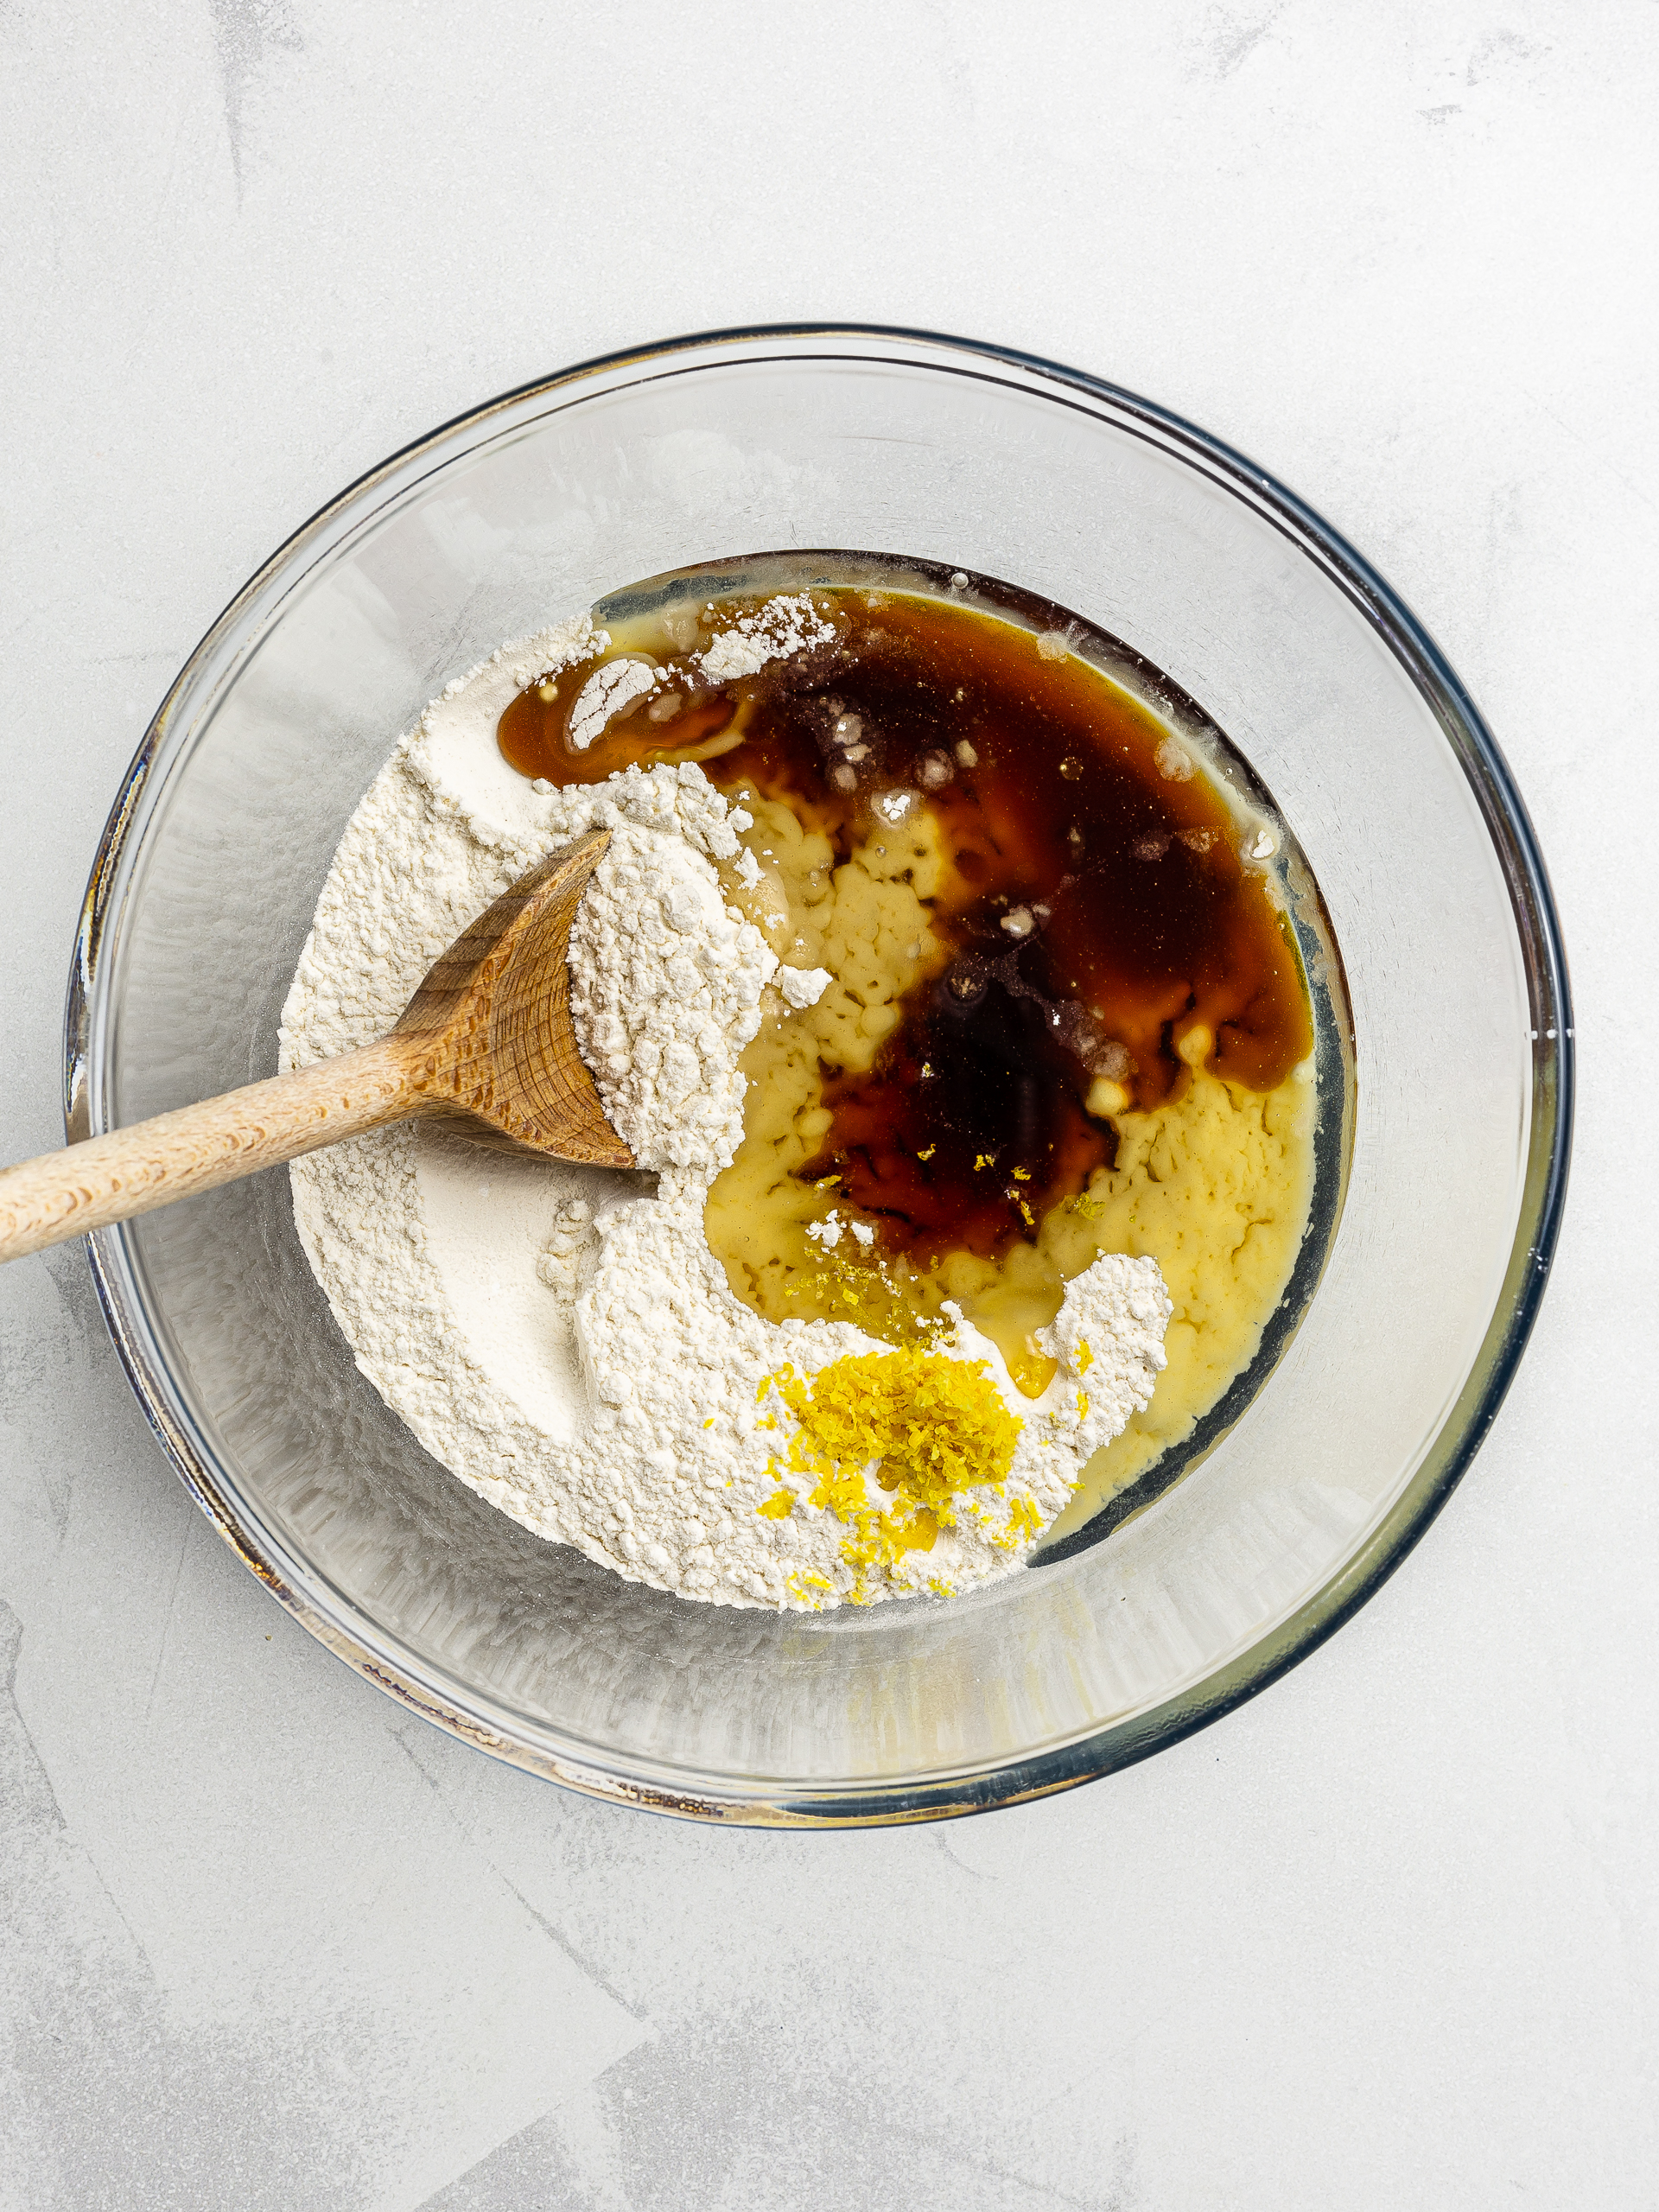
x: 112, y: 1178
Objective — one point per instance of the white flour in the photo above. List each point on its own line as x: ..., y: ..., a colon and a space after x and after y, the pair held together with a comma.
x: 560, y: 1337
x: 664, y: 985
x: 782, y: 627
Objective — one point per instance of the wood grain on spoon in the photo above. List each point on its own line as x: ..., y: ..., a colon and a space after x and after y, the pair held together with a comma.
x: 486, y: 1044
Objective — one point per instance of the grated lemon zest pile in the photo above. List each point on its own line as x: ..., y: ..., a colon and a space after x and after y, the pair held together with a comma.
x: 928, y: 1427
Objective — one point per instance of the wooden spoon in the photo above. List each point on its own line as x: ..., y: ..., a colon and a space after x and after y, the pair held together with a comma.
x: 486, y: 1043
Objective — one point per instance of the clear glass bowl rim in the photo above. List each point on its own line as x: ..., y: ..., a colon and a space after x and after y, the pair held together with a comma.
x: 343, y: 1631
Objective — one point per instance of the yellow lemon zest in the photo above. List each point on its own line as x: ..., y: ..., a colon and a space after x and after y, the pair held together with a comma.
x: 778, y: 1507
x: 1024, y: 1521
x: 1085, y: 1356
x: 930, y: 1426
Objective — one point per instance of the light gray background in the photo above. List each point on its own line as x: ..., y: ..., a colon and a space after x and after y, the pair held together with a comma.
x: 1386, y: 1938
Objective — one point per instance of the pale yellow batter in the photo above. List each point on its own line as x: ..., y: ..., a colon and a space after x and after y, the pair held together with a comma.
x: 1214, y: 1185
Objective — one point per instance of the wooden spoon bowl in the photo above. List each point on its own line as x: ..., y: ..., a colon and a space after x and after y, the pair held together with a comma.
x: 486, y: 1045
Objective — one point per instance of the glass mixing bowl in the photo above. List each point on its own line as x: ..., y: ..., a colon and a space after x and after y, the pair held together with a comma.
x: 1459, y: 1111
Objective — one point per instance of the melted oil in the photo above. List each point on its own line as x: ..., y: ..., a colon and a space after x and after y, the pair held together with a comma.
x: 1097, y: 933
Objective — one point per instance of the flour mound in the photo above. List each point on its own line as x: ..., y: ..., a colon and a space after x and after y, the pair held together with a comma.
x: 665, y: 990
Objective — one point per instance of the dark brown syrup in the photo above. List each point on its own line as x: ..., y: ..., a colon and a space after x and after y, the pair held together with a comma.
x: 1136, y: 919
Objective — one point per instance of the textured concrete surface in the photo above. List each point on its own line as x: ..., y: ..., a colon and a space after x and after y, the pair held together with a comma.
x: 1387, y: 1938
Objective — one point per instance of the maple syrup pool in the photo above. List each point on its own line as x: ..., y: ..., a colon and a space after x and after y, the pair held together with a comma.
x: 1084, y: 996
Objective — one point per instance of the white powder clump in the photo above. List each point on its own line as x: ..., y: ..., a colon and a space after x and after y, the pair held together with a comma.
x: 562, y: 1338
x: 608, y: 690
x: 1115, y: 1303
x: 782, y: 627
x: 664, y: 991
x: 803, y: 987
